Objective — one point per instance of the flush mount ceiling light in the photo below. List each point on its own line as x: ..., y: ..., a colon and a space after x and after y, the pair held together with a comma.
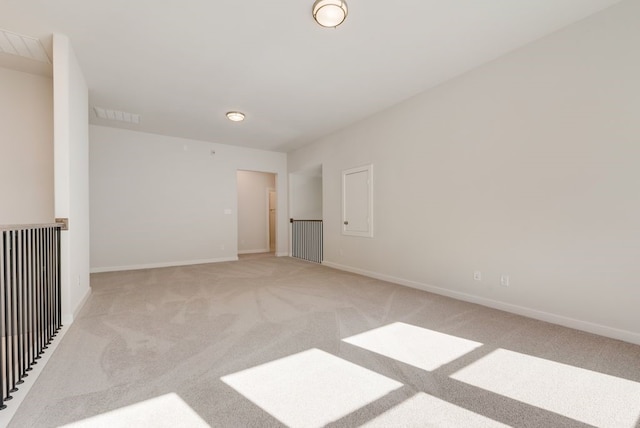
x: 329, y: 13
x: 235, y: 116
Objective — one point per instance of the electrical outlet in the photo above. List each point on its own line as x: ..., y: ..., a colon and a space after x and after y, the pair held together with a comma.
x: 504, y: 280
x: 477, y: 275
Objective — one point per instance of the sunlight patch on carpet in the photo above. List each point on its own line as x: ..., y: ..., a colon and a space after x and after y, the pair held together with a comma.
x: 419, y: 347
x: 424, y: 410
x: 166, y: 411
x: 583, y: 395
x: 311, y: 388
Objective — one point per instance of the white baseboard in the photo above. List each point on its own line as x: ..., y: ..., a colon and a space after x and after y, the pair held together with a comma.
x: 68, y: 319
x: 161, y: 265
x: 18, y: 397
x: 283, y: 254
x: 599, y: 329
x: 262, y: 250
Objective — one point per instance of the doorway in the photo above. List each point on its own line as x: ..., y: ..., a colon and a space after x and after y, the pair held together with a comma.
x: 305, y: 199
x: 257, y: 212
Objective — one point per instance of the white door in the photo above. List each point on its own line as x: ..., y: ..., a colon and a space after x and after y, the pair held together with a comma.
x: 357, y: 201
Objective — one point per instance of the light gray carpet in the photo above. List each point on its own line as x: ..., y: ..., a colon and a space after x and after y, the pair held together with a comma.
x: 144, y: 334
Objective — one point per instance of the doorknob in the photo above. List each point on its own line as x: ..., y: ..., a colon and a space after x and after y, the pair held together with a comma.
x: 346, y: 222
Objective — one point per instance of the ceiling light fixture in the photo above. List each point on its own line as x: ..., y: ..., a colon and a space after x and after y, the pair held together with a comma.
x: 235, y: 116
x: 329, y: 13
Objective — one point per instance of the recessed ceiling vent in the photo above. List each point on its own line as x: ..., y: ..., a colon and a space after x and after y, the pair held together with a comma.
x: 120, y: 116
x: 27, y: 47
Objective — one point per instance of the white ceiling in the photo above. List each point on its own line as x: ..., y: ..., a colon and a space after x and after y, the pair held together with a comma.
x: 181, y: 64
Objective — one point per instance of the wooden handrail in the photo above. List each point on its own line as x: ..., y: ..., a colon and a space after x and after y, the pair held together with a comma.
x: 29, y: 226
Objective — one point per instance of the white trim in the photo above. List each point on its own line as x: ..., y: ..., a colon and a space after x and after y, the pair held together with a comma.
x: 18, y: 397
x: 261, y: 250
x: 275, y: 220
x: 599, y: 329
x: 161, y: 265
x: 283, y: 254
x: 66, y: 319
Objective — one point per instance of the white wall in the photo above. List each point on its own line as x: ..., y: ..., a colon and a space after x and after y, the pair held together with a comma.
x: 26, y: 148
x: 527, y: 166
x: 71, y: 159
x: 158, y: 201
x: 305, y: 195
x: 253, y: 232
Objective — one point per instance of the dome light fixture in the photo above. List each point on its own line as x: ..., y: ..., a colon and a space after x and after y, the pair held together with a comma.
x: 235, y: 116
x: 329, y: 13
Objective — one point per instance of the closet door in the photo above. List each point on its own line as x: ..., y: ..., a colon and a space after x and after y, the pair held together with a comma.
x: 357, y: 201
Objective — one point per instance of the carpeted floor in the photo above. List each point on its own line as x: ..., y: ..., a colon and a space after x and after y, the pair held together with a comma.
x: 270, y: 342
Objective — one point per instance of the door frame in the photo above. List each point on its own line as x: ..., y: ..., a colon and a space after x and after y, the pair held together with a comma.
x: 275, y: 223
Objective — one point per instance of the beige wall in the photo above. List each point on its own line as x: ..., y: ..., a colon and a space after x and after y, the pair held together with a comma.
x: 26, y: 148
x: 253, y: 236
x: 71, y: 157
x: 160, y: 201
x: 305, y: 194
x: 528, y: 166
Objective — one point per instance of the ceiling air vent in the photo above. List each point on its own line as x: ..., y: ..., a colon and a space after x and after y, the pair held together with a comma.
x: 120, y: 116
x: 27, y: 47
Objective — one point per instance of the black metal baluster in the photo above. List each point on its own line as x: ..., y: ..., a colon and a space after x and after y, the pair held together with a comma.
x: 38, y: 294
x: 23, y: 292
x: 313, y: 242
x: 9, y: 335
x: 294, y: 233
x: 50, y: 326
x: 52, y: 289
x: 54, y: 311
x: 30, y: 300
x: 19, y: 284
x: 303, y: 240
x: 3, y: 287
x: 32, y: 313
x: 307, y: 240
x: 45, y: 297
x: 59, y: 274
x: 321, y: 241
x: 28, y: 303
x: 42, y: 324
x: 13, y: 317
x: 47, y: 281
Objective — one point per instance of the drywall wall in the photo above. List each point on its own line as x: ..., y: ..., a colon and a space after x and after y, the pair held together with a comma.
x: 26, y: 148
x: 71, y: 159
x: 159, y: 201
x: 253, y: 231
x: 527, y: 167
x: 305, y: 194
